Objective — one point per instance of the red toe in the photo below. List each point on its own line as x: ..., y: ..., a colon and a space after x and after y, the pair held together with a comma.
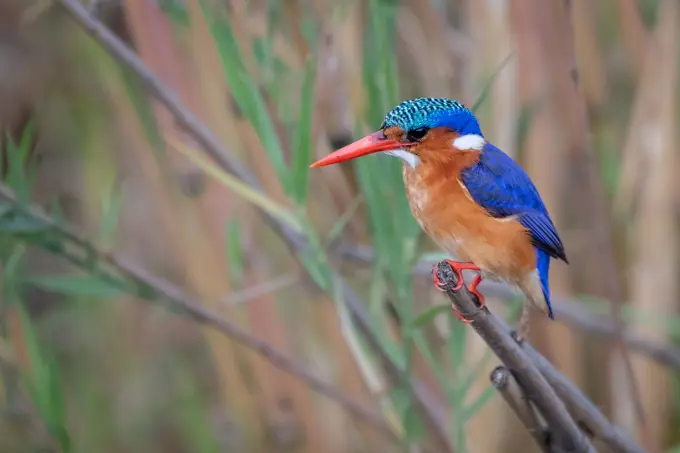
x: 458, y: 268
x: 437, y: 284
x: 460, y: 316
x: 473, y: 289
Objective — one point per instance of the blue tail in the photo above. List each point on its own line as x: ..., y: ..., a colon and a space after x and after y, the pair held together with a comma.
x: 543, y: 266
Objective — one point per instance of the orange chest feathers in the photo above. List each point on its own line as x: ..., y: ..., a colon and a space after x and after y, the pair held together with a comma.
x: 447, y: 213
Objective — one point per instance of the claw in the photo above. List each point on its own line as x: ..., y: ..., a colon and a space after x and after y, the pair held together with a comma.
x: 458, y: 268
x: 460, y: 316
x: 437, y: 283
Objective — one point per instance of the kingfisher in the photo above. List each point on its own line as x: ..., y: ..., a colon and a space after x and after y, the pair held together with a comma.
x: 471, y: 198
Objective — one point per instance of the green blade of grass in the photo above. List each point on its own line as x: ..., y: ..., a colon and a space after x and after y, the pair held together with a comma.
x: 235, y: 253
x: 20, y: 174
x: 44, y: 386
x: 302, y: 140
x: 76, y: 285
x: 245, y: 91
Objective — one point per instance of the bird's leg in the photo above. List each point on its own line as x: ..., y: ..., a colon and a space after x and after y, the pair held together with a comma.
x: 473, y: 289
x: 480, y: 299
x: 458, y: 268
x: 522, y: 329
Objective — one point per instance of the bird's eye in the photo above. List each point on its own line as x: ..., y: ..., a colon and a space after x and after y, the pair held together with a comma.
x: 416, y: 134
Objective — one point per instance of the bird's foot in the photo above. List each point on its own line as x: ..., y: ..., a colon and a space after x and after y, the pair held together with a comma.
x: 473, y: 289
x: 458, y: 268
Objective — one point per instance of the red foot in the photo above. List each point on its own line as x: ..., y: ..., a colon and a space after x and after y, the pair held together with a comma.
x: 473, y: 289
x: 458, y: 268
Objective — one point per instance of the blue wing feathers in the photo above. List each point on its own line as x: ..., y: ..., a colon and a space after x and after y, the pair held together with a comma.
x: 543, y: 234
x: 502, y: 187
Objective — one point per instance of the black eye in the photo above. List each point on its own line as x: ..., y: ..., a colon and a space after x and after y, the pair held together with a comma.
x: 416, y: 134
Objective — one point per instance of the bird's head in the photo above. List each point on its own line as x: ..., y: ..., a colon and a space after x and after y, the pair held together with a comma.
x: 417, y: 130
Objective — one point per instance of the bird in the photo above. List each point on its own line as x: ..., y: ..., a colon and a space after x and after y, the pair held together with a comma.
x: 472, y: 199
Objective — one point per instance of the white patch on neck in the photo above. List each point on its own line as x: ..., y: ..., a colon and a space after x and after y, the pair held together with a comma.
x: 470, y: 141
x: 409, y: 159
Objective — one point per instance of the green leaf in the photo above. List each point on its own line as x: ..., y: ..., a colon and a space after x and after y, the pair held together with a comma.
x: 11, y: 272
x: 19, y: 175
x: 246, y: 92
x: 302, y: 142
x: 526, y: 115
x: 464, y: 384
x: 486, y: 89
x: 44, y: 386
x: 315, y: 263
x: 77, y: 285
x: 27, y: 137
x: 263, y: 124
x: 427, y: 316
x: 5, y: 207
x: 191, y: 415
x: 457, y: 342
x: 145, y: 114
x: 402, y: 399
x: 15, y: 172
x: 478, y: 404
x: 17, y: 223
x: 235, y: 253
x: 112, y: 204
x: 339, y: 225
x: 175, y: 10
x: 413, y: 425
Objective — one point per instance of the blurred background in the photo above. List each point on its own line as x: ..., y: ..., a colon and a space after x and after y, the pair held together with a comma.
x: 94, y: 358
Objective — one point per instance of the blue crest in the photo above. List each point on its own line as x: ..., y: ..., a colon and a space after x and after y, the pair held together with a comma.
x: 431, y: 113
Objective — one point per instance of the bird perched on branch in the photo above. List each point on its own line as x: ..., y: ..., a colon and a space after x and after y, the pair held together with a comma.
x: 470, y: 197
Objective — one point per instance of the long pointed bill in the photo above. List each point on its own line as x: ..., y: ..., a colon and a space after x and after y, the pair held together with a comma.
x: 370, y: 144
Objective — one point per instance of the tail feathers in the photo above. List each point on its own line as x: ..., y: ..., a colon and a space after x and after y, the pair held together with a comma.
x: 543, y: 266
x: 535, y: 285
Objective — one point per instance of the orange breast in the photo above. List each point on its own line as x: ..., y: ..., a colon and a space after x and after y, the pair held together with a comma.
x: 445, y: 210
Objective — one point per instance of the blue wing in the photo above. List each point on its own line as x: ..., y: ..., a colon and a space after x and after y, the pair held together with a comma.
x: 499, y: 185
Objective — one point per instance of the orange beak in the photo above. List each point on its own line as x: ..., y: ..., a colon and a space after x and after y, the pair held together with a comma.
x: 370, y: 144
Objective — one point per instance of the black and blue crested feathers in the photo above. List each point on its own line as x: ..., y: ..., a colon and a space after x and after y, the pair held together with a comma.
x: 431, y: 113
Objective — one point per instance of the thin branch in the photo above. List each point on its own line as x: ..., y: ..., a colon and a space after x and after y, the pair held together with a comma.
x: 165, y: 290
x: 513, y: 394
x: 569, y: 311
x: 425, y: 401
x: 567, y: 436
x: 553, y: 394
x: 261, y: 289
